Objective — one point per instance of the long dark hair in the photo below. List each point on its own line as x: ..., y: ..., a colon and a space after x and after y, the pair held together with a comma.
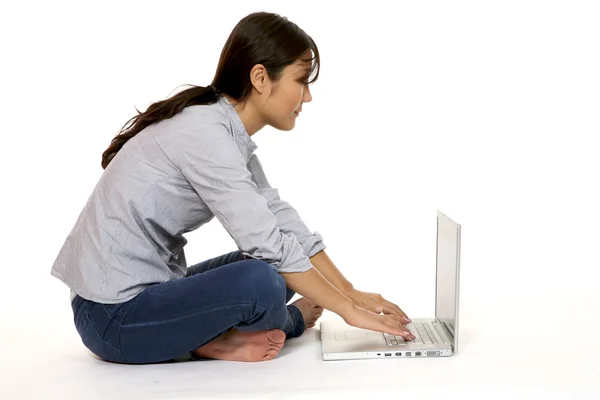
x: 259, y: 38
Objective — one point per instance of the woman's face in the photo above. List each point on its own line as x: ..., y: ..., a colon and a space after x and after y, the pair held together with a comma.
x: 291, y: 91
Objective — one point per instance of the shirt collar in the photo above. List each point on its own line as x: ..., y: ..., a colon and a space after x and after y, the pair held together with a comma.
x: 238, y: 125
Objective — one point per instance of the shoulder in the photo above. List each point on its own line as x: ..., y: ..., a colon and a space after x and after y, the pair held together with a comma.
x: 213, y: 113
x: 193, y: 126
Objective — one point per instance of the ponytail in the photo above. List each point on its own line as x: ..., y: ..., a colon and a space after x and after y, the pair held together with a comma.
x: 156, y: 112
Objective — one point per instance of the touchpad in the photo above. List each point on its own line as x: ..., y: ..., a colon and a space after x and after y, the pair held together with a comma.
x: 356, y: 334
x: 350, y: 335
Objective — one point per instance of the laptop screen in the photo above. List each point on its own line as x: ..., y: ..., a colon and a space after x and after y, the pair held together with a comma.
x: 447, y: 266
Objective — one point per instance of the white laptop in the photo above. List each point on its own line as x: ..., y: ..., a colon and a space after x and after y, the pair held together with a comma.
x: 434, y: 337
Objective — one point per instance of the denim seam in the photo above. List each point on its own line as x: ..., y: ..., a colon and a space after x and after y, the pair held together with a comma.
x: 187, y: 315
x: 108, y: 314
x: 87, y: 316
x: 263, y: 309
x: 120, y: 349
x: 120, y: 345
x: 84, y: 324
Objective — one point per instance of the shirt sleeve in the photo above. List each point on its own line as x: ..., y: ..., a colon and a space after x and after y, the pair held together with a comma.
x: 288, y: 219
x: 218, y: 172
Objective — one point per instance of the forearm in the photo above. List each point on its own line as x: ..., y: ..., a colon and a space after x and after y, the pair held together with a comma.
x: 327, y: 268
x: 315, y: 287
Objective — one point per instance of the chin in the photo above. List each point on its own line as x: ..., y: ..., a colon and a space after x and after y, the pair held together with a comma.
x: 285, y: 127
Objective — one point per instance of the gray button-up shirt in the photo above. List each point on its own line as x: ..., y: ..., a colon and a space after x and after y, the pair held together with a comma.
x: 170, y: 179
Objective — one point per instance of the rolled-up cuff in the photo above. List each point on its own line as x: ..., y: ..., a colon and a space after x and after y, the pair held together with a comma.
x: 313, y: 245
x: 298, y: 322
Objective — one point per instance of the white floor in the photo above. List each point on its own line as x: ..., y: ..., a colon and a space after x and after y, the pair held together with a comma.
x: 492, y: 363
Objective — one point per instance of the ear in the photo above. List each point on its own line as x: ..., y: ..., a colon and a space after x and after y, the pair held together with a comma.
x: 259, y: 78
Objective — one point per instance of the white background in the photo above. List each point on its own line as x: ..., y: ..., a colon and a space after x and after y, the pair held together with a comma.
x: 488, y: 111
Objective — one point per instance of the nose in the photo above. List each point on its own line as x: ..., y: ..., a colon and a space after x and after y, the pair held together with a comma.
x: 307, y: 98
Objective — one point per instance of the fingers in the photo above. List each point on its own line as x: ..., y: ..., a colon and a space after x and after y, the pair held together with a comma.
x: 392, y: 309
x: 394, y: 322
x: 407, y: 335
x: 364, y: 318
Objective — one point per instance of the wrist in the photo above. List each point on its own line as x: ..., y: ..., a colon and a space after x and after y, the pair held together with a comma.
x: 348, y: 289
x: 349, y: 292
x: 347, y: 310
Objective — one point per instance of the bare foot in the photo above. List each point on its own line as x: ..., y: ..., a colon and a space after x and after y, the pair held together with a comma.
x: 234, y: 345
x: 310, y: 311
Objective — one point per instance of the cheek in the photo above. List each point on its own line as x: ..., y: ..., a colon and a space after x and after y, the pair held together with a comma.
x: 295, y: 92
x: 296, y: 98
x: 289, y: 100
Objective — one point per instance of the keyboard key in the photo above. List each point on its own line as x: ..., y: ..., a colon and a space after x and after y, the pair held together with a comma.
x: 424, y: 335
x: 413, y: 331
x: 431, y: 334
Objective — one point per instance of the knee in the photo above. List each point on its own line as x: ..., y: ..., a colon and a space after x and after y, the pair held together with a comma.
x: 263, y: 279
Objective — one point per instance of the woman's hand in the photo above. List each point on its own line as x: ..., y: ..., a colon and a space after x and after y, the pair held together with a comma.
x: 362, y: 318
x: 376, y: 303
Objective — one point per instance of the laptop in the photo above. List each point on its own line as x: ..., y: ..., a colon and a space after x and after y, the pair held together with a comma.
x: 434, y: 337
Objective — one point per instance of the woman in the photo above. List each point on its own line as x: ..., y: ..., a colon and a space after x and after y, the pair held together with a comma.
x: 172, y: 169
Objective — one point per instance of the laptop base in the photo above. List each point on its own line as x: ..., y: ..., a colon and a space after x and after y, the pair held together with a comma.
x: 340, y: 341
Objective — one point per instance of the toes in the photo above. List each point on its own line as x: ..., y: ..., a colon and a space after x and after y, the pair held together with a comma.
x: 271, y: 354
x: 276, y: 336
x: 274, y: 349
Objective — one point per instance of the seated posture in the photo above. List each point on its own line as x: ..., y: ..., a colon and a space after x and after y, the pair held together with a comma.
x: 169, y: 171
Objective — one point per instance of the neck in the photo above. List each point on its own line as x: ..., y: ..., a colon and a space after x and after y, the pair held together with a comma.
x: 250, y: 117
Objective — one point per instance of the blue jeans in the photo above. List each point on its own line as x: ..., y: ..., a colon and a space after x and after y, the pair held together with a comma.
x: 169, y: 320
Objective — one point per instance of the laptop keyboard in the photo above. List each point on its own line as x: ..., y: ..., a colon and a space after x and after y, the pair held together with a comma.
x: 422, y: 333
